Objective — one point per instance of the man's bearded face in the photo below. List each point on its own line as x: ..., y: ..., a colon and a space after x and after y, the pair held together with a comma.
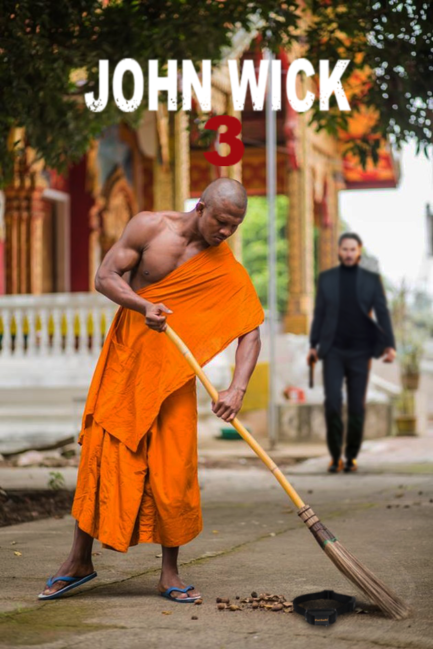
x: 349, y: 252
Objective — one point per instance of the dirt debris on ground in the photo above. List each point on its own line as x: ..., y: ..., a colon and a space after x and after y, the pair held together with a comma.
x: 21, y: 506
x: 264, y: 601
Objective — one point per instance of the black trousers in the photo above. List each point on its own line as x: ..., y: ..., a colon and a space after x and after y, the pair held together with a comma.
x: 354, y: 366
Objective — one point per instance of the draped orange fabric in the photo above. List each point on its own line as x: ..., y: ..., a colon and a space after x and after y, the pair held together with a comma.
x: 150, y: 496
x: 213, y: 302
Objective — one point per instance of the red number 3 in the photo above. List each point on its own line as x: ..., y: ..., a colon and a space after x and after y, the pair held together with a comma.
x: 228, y: 137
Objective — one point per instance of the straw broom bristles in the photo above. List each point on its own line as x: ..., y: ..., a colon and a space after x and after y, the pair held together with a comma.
x: 389, y: 603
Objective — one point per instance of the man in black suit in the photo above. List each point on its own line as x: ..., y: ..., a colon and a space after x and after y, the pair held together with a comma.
x: 346, y: 338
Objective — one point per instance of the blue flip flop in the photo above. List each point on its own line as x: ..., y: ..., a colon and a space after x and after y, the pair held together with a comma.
x: 185, y: 600
x: 73, y: 583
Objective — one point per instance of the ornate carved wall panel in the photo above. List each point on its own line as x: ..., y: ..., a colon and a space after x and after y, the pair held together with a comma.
x: 181, y: 161
x: 113, y: 209
x: 25, y: 211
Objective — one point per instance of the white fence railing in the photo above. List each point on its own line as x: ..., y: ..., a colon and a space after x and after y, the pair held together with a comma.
x: 54, y: 324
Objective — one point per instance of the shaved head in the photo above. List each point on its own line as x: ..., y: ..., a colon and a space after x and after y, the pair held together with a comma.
x: 227, y: 192
x: 221, y: 210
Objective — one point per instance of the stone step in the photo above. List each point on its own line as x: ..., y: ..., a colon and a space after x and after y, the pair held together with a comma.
x: 23, y: 436
x: 26, y: 411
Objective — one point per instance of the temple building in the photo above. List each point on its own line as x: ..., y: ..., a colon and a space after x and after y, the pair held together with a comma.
x: 55, y: 229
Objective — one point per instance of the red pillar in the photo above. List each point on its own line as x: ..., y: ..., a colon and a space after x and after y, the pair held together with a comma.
x: 81, y: 203
x: 2, y: 268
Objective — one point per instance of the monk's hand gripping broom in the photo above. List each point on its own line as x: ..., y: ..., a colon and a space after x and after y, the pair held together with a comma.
x: 391, y: 605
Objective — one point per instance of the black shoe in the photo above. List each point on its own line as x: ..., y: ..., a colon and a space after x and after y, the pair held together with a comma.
x: 335, y: 466
x: 351, y: 466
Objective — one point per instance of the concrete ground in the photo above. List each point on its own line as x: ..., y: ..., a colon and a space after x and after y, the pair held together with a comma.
x: 252, y: 540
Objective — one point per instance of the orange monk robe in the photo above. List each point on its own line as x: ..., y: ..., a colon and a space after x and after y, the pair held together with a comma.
x: 142, y: 385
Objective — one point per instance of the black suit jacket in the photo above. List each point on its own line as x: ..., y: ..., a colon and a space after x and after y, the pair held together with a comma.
x: 371, y: 297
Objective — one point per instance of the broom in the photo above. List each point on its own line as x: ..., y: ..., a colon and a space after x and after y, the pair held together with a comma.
x: 391, y: 605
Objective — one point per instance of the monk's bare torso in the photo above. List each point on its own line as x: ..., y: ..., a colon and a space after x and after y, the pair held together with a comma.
x: 163, y: 246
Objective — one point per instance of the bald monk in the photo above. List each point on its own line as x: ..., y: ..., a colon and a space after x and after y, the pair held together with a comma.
x: 137, y: 480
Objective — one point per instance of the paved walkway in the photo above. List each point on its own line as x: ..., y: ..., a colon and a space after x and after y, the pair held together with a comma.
x: 391, y: 454
x: 252, y: 540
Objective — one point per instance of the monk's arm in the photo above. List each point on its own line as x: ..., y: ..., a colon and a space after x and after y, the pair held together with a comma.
x: 123, y: 256
x: 247, y: 353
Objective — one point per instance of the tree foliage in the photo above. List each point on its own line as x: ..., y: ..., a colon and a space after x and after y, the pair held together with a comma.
x: 46, y: 44
x: 392, y: 40
x: 255, y: 248
x: 49, y: 53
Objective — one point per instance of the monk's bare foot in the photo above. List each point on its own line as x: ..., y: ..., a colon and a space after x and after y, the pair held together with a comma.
x: 172, y: 580
x: 69, y: 569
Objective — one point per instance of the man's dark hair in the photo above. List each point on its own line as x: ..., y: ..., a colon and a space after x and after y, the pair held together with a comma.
x: 349, y: 235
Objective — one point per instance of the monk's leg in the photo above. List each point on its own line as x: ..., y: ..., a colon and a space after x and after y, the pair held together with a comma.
x: 172, y: 457
x: 170, y: 574
x: 79, y: 562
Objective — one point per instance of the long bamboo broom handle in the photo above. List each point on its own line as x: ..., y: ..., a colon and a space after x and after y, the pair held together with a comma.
x: 213, y: 393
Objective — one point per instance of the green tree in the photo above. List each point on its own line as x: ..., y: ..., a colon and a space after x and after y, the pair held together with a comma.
x: 47, y: 46
x: 255, y: 248
x: 391, y: 39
